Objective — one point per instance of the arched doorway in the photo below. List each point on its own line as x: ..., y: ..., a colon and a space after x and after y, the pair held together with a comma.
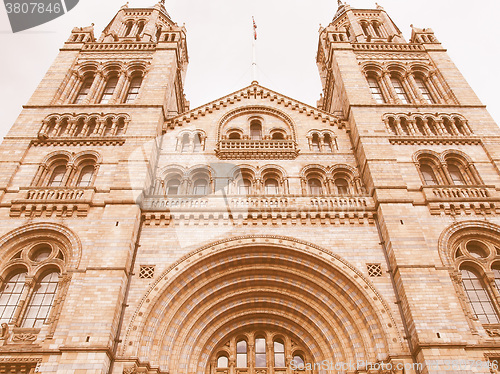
x: 317, y: 305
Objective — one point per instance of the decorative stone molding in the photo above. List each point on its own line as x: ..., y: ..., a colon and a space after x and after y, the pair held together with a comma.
x: 458, y: 209
x: 220, y: 254
x: 455, y: 201
x: 205, y: 219
x: 24, y: 335
x: 24, y: 338
x: 106, y: 47
x: 68, y: 128
x: 20, y: 365
x: 250, y: 92
x: 399, y: 47
x: 130, y: 369
x: 230, y: 149
x: 493, y: 332
x: 49, y: 210
x: 405, y: 140
x: 78, y: 141
x: 61, y: 202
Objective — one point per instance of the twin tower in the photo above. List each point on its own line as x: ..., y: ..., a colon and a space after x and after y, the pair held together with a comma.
x: 254, y: 234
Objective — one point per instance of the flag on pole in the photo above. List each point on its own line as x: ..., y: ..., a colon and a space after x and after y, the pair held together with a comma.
x: 254, y: 29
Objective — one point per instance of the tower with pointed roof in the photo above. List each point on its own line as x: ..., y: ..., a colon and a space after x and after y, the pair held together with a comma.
x: 254, y: 234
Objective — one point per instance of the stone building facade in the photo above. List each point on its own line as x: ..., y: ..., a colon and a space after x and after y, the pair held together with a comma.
x: 254, y: 234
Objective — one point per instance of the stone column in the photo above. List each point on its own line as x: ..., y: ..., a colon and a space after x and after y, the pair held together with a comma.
x: 397, y: 122
x: 232, y: 365
x: 330, y: 186
x: 434, y: 92
x: 45, y: 124
x: 358, y: 185
x: 72, y: 126
x: 383, y: 87
x: 70, y: 85
x: 269, y: 356
x: 117, y: 98
x: 113, y: 126
x: 309, y: 142
x: 100, y: 124
x: 454, y: 128
x: 56, y: 127
x: 70, y: 170
x: 412, y: 127
x: 251, y: 357
x: 29, y: 287
x: 466, y: 127
x: 303, y: 185
x: 85, y: 127
x: 490, y: 283
x: 440, y: 127
x: 393, y: 96
x: 426, y: 126
x: 419, y: 98
x: 412, y: 95
x: 39, y: 176
x: 98, y: 79
x: 184, y: 186
x: 446, y: 173
x: 388, y: 128
x: 443, y: 93
x: 321, y: 143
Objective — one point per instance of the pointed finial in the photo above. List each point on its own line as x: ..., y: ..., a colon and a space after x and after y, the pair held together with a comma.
x: 339, y: 2
x: 125, y: 5
x: 162, y: 2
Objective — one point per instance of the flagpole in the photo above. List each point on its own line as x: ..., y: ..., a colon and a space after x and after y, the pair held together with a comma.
x: 254, y: 54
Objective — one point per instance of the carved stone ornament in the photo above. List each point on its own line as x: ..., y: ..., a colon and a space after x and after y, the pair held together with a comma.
x: 24, y: 337
x: 4, y: 334
x: 494, y: 333
x: 130, y: 369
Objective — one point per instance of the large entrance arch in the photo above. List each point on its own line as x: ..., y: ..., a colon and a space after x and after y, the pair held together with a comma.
x: 277, y: 284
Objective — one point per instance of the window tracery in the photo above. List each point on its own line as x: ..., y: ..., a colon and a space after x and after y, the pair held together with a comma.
x: 477, y: 264
x: 83, y: 125
x: 32, y: 281
x: 133, y: 89
x: 400, y: 84
x: 427, y: 125
x: 322, y: 141
x: 266, y: 349
x: 191, y: 141
x: 63, y: 170
x: 84, y: 89
x: 338, y: 180
x: 449, y: 168
x: 102, y: 83
x: 256, y: 133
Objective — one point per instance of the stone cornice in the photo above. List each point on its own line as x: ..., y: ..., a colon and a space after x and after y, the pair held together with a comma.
x: 71, y: 141
x: 248, y: 92
x: 434, y: 140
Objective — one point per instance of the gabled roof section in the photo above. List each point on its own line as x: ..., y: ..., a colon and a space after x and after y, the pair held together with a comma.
x: 254, y: 91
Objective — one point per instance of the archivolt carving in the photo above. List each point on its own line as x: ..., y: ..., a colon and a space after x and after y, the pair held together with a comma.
x: 252, y: 110
x: 280, y: 269
x: 70, y: 243
x: 455, y: 232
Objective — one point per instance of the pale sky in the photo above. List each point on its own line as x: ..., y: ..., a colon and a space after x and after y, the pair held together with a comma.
x: 220, y: 37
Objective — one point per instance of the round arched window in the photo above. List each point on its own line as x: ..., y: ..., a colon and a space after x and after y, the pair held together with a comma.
x: 222, y: 361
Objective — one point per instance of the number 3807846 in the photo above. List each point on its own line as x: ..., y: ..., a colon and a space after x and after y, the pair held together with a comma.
x: 25, y: 8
